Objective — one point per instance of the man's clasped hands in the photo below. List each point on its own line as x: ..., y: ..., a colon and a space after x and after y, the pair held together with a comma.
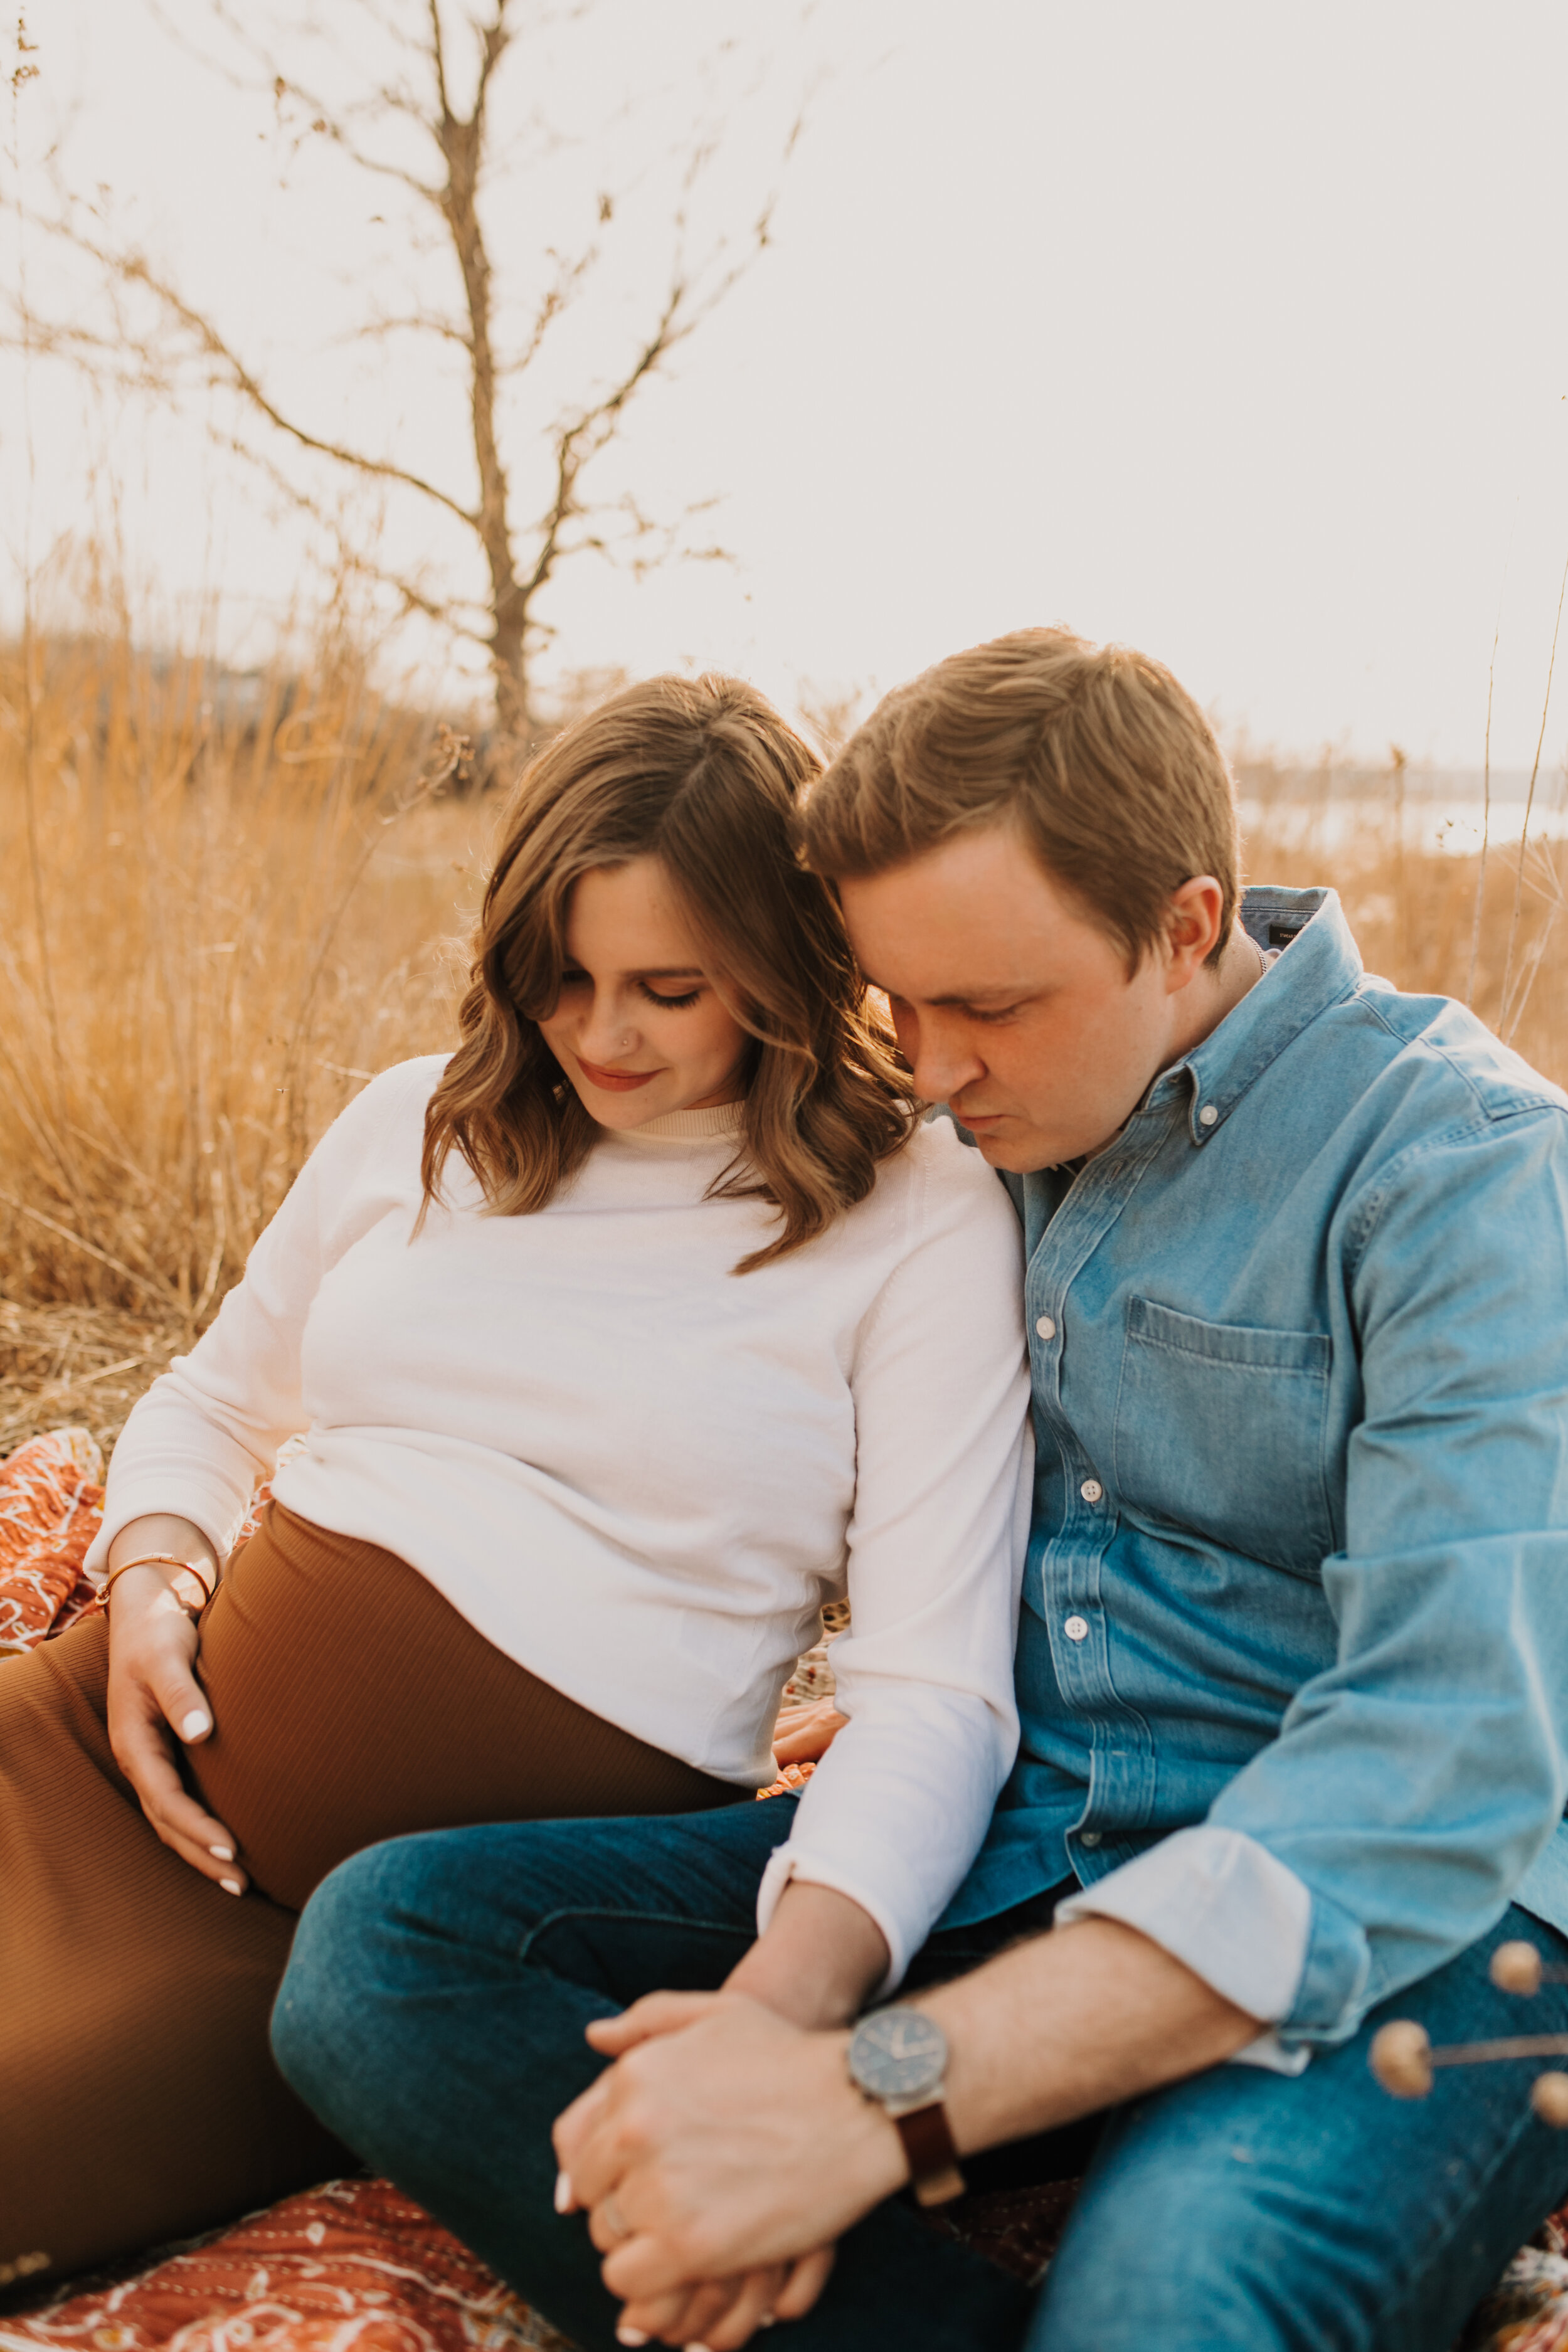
x: 726, y: 2150
x: 722, y: 2155
x: 724, y: 2139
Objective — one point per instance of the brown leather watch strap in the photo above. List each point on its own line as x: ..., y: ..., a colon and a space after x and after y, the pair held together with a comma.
x: 933, y: 2159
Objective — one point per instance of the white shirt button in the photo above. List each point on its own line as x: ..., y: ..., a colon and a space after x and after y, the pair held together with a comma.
x: 1207, y: 1115
x: 1077, y: 1629
x: 1088, y: 1837
x: 1046, y: 1328
x: 1091, y: 1490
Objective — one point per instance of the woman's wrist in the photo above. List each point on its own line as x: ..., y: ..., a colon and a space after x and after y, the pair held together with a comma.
x: 820, y: 1957
x: 189, y: 1585
x: 160, y: 1545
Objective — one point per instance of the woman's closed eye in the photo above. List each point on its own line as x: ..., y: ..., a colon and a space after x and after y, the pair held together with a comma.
x: 681, y: 998
x: 687, y: 996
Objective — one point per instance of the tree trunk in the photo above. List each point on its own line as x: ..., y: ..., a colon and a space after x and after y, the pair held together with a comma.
x: 462, y: 147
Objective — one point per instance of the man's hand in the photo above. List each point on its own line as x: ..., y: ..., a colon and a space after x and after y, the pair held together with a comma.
x: 725, y: 2145
x: 725, y: 2313
x: 820, y: 1957
x: 154, y: 1693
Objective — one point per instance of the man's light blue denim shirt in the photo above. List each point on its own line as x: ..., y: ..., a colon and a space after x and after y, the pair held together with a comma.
x: 1298, y: 1564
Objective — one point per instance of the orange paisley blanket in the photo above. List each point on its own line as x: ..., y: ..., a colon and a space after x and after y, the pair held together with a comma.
x: 354, y: 2266
x: 351, y: 2266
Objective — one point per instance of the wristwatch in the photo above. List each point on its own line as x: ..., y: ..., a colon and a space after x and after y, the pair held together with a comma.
x: 899, y: 2058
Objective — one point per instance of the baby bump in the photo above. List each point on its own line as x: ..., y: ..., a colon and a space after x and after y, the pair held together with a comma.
x: 352, y: 1703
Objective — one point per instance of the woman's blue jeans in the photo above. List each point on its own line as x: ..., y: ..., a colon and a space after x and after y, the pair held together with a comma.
x: 433, y: 2015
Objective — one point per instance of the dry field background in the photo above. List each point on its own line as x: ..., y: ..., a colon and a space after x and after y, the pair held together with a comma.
x: 224, y: 903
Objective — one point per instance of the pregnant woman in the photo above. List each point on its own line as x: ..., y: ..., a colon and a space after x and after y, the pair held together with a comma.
x: 618, y: 1343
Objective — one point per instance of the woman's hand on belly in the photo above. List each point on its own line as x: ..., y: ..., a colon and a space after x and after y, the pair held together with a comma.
x: 155, y: 1697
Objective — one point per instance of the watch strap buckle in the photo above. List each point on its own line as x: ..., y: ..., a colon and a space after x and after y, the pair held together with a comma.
x: 934, y: 2172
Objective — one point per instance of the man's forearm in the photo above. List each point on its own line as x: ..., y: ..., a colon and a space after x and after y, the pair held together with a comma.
x: 1070, y: 2023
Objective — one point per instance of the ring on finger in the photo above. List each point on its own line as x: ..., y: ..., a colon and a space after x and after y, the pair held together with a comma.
x: 613, y: 2218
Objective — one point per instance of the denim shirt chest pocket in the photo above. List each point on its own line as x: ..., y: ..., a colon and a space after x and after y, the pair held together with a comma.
x: 1220, y: 1428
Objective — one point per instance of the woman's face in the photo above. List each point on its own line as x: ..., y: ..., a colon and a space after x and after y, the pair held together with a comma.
x: 639, y: 1029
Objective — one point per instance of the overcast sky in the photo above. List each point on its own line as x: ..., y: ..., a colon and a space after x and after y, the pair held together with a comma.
x: 1239, y: 332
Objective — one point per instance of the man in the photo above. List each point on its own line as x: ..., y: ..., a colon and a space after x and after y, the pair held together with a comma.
x: 1292, y: 1668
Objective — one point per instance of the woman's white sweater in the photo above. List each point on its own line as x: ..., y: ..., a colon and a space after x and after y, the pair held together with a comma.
x: 640, y: 1473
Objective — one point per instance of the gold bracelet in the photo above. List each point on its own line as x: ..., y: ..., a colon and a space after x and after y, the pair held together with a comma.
x: 158, y: 1559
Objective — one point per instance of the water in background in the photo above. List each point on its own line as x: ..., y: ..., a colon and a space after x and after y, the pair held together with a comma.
x: 1332, y: 806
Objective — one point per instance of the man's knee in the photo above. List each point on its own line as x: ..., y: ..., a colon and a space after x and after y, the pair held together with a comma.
x: 1201, y: 2253
x: 376, y: 1942
x: 402, y: 1943
x: 325, y: 2002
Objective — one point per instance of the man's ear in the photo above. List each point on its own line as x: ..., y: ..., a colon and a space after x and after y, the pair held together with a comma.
x: 1192, y: 929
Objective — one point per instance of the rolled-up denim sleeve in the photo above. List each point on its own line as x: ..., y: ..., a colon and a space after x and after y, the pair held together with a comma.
x: 1228, y: 1909
x: 1413, y: 1783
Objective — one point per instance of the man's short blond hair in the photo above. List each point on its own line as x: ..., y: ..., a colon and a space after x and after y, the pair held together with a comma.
x: 1104, y: 763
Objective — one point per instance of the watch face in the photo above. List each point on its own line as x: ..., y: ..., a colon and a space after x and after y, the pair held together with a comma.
x: 897, y: 2053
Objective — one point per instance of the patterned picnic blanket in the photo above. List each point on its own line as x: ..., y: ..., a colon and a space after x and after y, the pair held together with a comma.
x: 354, y: 2266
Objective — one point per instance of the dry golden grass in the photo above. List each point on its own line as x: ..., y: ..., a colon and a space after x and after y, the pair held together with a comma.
x: 84, y: 1365
x: 214, y: 923
x: 1413, y: 909
x: 220, y: 911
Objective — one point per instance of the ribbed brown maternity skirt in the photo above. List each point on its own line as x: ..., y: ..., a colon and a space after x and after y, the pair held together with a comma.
x: 138, y: 2097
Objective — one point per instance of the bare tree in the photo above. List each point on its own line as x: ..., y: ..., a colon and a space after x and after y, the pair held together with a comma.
x: 430, y: 128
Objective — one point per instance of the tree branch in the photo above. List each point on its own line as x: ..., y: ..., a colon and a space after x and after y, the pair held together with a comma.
x: 326, y: 120
x: 416, y: 322
x: 133, y: 268
x: 438, y: 58
x: 445, y: 612
x: 498, y: 39
x: 569, y: 276
x: 581, y: 441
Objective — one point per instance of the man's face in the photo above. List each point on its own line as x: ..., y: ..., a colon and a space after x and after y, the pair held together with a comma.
x: 1010, y: 1005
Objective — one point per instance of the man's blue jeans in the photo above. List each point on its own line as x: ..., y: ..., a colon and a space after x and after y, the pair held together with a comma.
x: 433, y: 2015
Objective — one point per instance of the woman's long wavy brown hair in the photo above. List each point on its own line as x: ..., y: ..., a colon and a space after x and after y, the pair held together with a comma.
x: 704, y: 775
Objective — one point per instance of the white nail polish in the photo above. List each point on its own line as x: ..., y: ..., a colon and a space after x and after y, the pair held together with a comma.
x: 196, y: 1724
x: 564, y: 2200
x: 221, y: 1853
x: 630, y: 2335
x: 231, y: 1886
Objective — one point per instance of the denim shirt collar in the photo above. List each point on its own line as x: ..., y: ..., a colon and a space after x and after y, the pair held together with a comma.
x: 1321, y: 965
